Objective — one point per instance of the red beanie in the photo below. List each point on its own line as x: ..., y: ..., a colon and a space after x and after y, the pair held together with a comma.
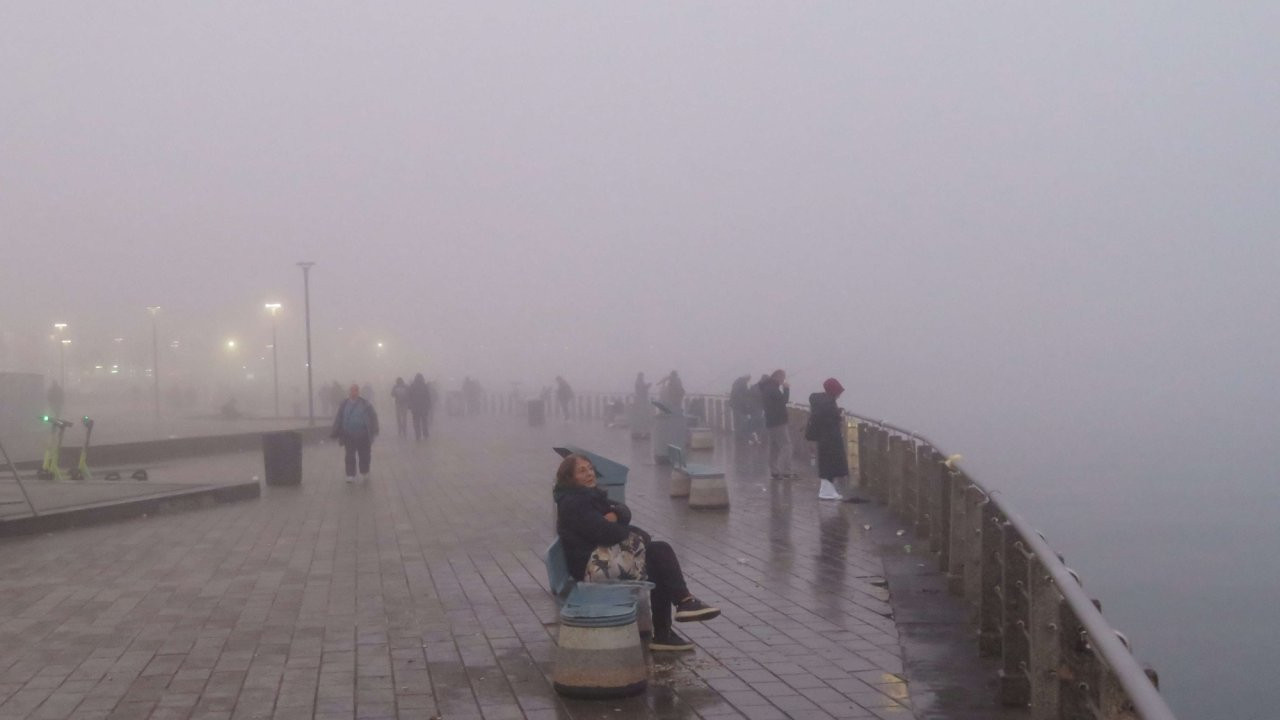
x: 833, y: 387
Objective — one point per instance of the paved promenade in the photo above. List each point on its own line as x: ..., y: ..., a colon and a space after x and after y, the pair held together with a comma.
x: 422, y: 594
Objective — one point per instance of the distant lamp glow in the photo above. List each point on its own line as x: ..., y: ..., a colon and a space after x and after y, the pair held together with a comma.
x: 66, y: 341
x: 231, y: 344
x: 273, y: 307
x: 379, y: 346
x: 60, y: 326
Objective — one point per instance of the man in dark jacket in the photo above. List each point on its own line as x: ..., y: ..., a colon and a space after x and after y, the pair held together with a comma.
x: 775, y: 393
x: 355, y: 427
x: 419, y: 401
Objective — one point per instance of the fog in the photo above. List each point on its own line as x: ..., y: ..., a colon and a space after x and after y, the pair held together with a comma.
x: 1043, y: 235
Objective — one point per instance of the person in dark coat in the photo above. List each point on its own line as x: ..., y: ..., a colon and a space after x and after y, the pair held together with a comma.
x: 740, y: 406
x: 775, y: 393
x: 586, y: 518
x: 826, y: 428
x: 419, y: 401
x: 564, y: 396
x: 355, y: 427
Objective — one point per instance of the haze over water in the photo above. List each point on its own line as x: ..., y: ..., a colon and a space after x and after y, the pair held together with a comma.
x: 1044, y: 236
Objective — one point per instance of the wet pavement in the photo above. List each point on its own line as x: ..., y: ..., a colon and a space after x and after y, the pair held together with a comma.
x: 423, y: 594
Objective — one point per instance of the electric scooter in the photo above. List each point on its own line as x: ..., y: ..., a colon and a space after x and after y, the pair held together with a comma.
x: 81, y: 472
x: 53, y: 451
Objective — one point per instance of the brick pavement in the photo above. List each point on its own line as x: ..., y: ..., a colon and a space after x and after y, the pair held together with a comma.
x: 423, y: 594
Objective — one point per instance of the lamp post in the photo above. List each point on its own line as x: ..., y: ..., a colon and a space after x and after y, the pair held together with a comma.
x: 273, y: 308
x: 62, y: 364
x: 155, y: 367
x: 306, y: 294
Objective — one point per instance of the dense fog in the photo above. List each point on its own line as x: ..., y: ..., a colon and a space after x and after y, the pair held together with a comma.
x: 1043, y: 235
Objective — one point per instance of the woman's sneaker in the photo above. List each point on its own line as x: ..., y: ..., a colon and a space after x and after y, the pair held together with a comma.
x: 668, y: 641
x: 694, y: 610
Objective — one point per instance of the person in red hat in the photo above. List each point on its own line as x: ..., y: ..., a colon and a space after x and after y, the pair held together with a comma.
x: 826, y: 428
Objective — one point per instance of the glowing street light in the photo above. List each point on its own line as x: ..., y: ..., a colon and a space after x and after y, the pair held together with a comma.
x: 231, y: 344
x: 274, y: 308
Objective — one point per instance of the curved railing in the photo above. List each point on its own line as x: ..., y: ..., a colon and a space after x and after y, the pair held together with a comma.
x: 1059, y: 657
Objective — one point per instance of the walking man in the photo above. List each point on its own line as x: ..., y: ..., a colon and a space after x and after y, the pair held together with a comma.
x: 419, y: 400
x: 355, y: 427
x: 775, y: 393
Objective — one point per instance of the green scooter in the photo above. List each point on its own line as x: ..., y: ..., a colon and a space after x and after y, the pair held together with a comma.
x: 49, y: 470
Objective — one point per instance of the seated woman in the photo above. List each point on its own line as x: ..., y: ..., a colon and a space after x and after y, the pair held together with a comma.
x: 586, y: 518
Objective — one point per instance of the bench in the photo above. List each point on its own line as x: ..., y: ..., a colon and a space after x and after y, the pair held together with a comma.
x: 598, y: 652
x: 704, y: 485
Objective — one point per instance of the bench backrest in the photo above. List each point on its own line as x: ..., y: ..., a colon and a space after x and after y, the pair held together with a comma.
x: 675, y: 455
x: 558, y: 577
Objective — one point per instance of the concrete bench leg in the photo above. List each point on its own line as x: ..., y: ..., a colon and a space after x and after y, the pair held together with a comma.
x: 680, y: 483
x: 708, y: 493
x: 599, y: 662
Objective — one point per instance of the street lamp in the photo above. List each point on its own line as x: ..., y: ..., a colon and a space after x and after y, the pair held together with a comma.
x: 62, y: 372
x: 273, y: 308
x: 155, y: 367
x: 62, y: 361
x: 306, y: 292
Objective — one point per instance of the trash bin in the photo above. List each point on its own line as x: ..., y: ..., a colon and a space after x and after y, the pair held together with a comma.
x: 282, y: 457
x: 537, y: 413
x: 610, y: 475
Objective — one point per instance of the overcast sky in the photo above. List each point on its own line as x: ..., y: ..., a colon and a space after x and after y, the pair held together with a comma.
x: 1045, y: 233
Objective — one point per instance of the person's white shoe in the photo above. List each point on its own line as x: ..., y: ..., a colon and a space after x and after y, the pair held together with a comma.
x: 351, y: 478
x: 827, y: 491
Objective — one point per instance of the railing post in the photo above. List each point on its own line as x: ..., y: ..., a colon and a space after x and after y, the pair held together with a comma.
x: 942, y: 527
x: 1015, y: 686
x: 958, y: 554
x: 910, y: 485
x: 1080, y: 675
x: 991, y: 604
x: 1045, y: 652
x: 893, y: 477
x: 926, y: 501
x: 852, y: 439
x: 973, y: 560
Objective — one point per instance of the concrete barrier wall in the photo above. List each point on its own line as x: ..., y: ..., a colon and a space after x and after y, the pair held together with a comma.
x: 156, y: 450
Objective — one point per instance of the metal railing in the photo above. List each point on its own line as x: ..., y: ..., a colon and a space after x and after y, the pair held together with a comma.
x: 1059, y: 657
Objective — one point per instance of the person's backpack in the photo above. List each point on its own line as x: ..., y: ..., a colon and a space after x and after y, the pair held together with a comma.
x: 811, y: 429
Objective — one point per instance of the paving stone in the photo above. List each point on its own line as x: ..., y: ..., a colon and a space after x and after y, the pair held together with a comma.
x: 421, y: 593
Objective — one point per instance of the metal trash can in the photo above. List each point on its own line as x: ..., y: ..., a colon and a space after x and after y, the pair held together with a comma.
x: 537, y: 413
x: 282, y: 457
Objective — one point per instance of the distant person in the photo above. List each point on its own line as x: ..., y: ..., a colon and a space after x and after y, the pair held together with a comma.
x: 355, y: 426
x: 56, y: 398
x: 418, y: 401
x: 642, y: 390
x: 775, y: 392
x: 400, y: 396
x: 672, y: 392
x: 740, y: 406
x: 472, y: 395
x: 366, y: 392
x: 826, y: 428
x: 564, y: 396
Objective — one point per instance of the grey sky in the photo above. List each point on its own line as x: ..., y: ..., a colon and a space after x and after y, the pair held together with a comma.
x: 1050, y: 227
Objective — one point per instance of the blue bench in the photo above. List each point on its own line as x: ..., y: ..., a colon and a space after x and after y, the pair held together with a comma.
x: 610, y: 475
x: 704, y: 485
x: 598, y: 652
x: 675, y: 455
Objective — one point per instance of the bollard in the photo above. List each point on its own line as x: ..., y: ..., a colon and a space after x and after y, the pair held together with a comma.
x: 708, y: 493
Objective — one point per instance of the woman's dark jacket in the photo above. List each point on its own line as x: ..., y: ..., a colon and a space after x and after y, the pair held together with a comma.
x: 581, y: 525
x: 828, y: 422
x: 419, y: 398
x: 775, y: 398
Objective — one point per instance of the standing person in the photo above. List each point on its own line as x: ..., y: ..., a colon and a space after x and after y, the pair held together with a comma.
x: 826, y: 428
x: 586, y: 519
x: 642, y: 390
x: 672, y: 392
x: 400, y: 396
x: 564, y: 396
x: 740, y: 406
x: 418, y: 399
x: 355, y: 426
x: 366, y: 392
x: 775, y: 392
